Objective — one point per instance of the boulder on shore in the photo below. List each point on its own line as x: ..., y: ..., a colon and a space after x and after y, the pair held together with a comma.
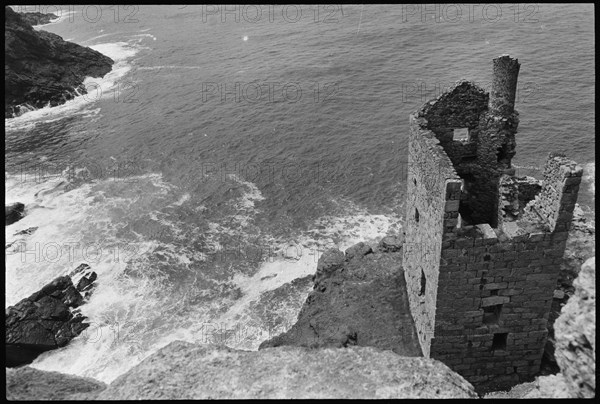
x: 45, y: 320
x: 14, y: 212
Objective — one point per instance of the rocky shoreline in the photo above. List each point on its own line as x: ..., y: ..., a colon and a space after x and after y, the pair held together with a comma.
x: 41, y: 68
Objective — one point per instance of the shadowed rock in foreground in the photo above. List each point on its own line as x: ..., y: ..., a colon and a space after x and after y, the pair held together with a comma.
x: 32, y: 384
x: 182, y: 370
x: 187, y: 371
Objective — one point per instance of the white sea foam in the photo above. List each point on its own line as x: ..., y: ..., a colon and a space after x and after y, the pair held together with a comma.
x: 245, y: 204
x: 84, y: 218
x: 166, y: 67
x: 293, y: 259
x: 99, y: 36
x: 133, y: 314
x: 127, y: 309
x: 74, y: 226
x: 145, y: 36
x: 184, y: 198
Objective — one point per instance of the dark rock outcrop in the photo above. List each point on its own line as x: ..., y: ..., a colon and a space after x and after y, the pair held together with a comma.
x: 45, y: 320
x: 14, y: 212
x: 38, y: 18
x: 358, y: 299
x: 27, y: 383
x: 41, y: 68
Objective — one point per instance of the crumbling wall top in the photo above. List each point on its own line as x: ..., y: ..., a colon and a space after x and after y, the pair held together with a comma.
x: 445, y: 169
x: 459, y: 107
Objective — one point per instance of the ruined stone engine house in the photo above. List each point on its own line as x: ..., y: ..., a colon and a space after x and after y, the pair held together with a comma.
x: 482, y: 247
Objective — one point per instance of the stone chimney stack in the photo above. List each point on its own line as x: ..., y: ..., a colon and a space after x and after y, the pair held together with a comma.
x: 504, y: 85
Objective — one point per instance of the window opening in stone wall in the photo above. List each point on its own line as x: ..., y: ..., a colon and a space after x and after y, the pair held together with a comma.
x: 491, y: 314
x: 461, y: 135
x: 503, y: 155
x: 464, y: 208
x: 417, y: 215
x: 423, y: 284
x: 499, y: 341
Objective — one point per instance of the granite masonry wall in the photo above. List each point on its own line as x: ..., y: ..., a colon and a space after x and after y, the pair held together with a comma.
x: 427, y: 190
x: 480, y: 292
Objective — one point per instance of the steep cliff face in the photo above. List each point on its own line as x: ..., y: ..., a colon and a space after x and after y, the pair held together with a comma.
x: 41, y: 68
x: 575, y: 331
